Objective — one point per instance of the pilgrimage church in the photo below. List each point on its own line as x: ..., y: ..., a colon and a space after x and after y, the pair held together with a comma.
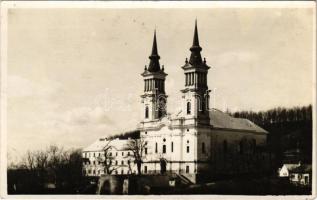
x: 195, y: 142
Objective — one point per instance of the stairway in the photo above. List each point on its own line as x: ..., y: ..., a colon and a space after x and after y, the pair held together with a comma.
x: 183, y: 179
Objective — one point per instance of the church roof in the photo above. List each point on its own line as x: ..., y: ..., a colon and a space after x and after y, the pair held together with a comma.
x: 219, y: 119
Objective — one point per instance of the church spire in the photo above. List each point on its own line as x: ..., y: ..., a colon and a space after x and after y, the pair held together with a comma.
x: 196, y: 40
x: 154, y: 65
x: 154, y: 47
x: 195, y: 57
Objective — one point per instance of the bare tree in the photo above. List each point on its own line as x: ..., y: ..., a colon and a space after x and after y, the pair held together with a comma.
x: 137, y: 147
x: 108, y: 158
x: 41, y: 160
x: 51, y: 165
x: 29, y: 161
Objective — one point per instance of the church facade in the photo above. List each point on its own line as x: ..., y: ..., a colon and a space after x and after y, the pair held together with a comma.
x: 196, y: 141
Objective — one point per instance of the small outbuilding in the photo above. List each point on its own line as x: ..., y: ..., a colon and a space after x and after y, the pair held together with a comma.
x: 284, y: 171
x: 301, y: 175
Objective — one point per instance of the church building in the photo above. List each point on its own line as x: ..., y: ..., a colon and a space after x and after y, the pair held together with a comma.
x: 195, y: 142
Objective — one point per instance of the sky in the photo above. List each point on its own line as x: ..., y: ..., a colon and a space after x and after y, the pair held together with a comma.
x: 74, y: 74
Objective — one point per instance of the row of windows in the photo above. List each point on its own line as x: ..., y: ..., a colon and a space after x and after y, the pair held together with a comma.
x: 122, y: 171
x: 145, y: 169
x: 93, y: 162
x: 99, y: 172
x: 241, y: 149
x: 203, y: 148
x: 110, y: 162
x: 164, y: 148
x: 87, y: 155
x: 122, y: 154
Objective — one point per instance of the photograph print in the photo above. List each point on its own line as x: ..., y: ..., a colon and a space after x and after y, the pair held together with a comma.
x: 159, y: 100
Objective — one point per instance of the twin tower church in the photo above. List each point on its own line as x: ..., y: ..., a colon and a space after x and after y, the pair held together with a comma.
x: 196, y: 142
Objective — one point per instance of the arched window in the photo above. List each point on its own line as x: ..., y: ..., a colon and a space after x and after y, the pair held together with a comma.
x: 188, y: 108
x: 164, y: 149
x: 160, y: 113
x: 172, y: 147
x: 203, y: 148
x: 146, y: 112
x: 156, y: 147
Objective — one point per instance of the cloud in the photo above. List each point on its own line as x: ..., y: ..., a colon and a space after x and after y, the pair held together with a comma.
x: 232, y: 58
x: 18, y: 86
x: 87, y: 115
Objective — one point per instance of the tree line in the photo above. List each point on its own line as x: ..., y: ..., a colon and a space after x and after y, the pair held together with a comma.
x: 290, y: 132
x: 276, y: 115
x: 53, y: 168
x: 134, y: 134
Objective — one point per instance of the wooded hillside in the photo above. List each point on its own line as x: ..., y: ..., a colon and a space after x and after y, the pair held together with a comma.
x: 290, y: 132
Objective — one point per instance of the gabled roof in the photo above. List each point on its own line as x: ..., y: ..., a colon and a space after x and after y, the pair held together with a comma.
x: 219, y: 119
x: 98, y: 145
x: 101, y: 143
x: 120, y: 145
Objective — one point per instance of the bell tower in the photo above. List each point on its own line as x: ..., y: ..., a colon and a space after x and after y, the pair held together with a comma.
x: 154, y: 97
x: 196, y: 94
